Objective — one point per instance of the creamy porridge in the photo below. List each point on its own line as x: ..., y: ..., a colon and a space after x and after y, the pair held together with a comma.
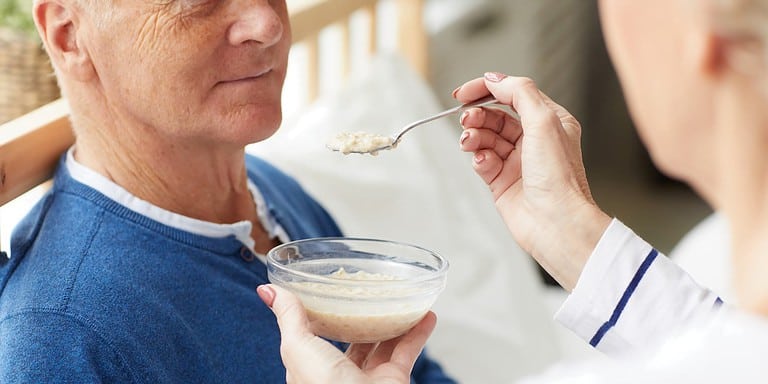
x: 359, y: 142
x: 342, y: 273
x: 359, y: 328
x: 359, y: 321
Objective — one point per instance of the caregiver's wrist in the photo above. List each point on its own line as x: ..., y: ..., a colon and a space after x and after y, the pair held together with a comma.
x: 577, y: 235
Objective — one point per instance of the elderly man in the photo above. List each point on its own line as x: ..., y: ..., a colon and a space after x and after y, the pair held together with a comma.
x: 140, y: 264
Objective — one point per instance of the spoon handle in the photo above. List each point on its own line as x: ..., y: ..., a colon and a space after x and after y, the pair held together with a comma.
x: 488, y: 100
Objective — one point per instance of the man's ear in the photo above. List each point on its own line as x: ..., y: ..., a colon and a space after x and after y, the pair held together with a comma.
x: 58, y: 26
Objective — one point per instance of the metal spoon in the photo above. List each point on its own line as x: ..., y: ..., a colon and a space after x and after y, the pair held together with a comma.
x: 362, y: 142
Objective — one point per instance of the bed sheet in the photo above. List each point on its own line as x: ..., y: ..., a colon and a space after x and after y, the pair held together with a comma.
x: 493, y: 325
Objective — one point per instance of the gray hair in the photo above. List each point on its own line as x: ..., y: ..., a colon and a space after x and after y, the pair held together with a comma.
x: 99, y: 10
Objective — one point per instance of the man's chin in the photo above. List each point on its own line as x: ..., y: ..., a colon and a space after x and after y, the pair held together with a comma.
x: 257, y: 129
x: 260, y: 135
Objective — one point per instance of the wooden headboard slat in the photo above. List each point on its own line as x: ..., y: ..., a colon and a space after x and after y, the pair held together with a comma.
x: 345, y: 47
x: 312, y: 46
x: 372, y: 27
x: 30, y: 147
x: 412, y: 38
x: 308, y: 21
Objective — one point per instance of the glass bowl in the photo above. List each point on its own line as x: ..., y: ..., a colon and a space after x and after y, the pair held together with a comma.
x: 359, y: 290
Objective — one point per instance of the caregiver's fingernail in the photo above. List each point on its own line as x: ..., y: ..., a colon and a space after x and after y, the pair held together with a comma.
x: 455, y: 91
x: 479, y: 158
x: 267, y: 294
x: 464, y: 137
x: 463, y: 117
x: 495, y: 76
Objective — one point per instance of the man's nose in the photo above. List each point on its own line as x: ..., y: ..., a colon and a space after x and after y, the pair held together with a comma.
x: 256, y: 21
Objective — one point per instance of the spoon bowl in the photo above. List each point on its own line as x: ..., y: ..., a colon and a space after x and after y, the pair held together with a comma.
x: 363, y: 142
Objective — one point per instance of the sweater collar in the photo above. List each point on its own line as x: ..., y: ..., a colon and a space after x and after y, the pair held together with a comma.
x: 241, y: 230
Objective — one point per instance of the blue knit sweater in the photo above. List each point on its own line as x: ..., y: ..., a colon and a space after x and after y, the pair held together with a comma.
x: 95, y: 292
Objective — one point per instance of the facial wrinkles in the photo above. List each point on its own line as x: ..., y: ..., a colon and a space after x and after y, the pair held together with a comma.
x: 159, y: 20
x: 187, y: 36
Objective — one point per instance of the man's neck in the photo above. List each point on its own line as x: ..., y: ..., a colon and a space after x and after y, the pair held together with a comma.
x: 197, y: 179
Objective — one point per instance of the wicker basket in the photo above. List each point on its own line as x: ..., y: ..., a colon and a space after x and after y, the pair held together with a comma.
x: 26, y: 76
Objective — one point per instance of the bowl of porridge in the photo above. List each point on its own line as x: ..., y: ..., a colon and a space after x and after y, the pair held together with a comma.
x: 359, y: 290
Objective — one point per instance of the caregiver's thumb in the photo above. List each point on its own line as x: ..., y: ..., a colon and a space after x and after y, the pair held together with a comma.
x: 290, y: 314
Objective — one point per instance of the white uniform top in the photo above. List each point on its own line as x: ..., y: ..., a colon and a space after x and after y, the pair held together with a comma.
x: 655, y: 322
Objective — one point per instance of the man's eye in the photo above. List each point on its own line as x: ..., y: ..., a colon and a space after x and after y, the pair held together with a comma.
x: 195, y: 7
x: 198, y: 3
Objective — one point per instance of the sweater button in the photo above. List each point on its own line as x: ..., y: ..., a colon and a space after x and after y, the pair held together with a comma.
x: 246, y: 254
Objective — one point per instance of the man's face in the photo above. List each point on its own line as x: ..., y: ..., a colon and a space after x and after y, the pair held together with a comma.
x: 209, y: 70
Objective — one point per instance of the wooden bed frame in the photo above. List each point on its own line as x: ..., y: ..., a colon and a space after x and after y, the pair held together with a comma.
x: 31, y: 145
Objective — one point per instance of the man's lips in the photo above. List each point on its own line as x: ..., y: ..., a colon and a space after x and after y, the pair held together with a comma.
x: 249, y: 77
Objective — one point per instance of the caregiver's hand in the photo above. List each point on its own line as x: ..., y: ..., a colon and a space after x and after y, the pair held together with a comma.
x: 534, y: 169
x: 310, y: 359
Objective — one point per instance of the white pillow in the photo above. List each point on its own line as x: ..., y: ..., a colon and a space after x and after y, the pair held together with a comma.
x: 492, y: 322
